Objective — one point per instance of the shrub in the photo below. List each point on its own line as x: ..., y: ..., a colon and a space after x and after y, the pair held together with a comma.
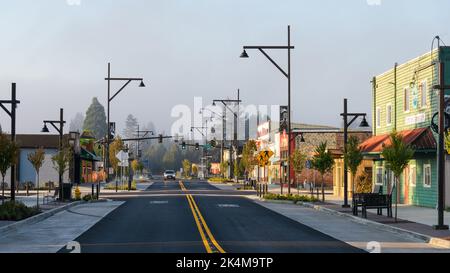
x: 293, y: 198
x: 89, y: 197
x: 16, y: 211
x: 112, y: 186
x: 218, y: 180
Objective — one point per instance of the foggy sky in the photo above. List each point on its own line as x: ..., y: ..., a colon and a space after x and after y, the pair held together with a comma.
x: 58, y: 53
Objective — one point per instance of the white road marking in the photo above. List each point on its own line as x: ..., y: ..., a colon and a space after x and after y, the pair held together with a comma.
x: 159, y: 202
x: 228, y: 205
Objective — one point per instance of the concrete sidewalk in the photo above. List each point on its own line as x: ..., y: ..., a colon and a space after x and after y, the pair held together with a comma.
x: 413, y: 222
x: 356, y: 234
x: 53, y: 233
x: 421, y: 215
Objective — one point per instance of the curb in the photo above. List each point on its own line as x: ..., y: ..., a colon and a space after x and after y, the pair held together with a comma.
x: 433, y: 241
x: 38, y: 218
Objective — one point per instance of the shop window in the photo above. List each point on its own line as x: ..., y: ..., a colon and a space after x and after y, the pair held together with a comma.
x: 389, y: 114
x: 423, y: 94
x: 379, y: 176
x: 427, y: 176
x: 406, y: 100
x: 378, y: 117
x: 412, y: 176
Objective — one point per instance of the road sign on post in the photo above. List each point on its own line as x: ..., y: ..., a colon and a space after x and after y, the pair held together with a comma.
x: 263, y: 157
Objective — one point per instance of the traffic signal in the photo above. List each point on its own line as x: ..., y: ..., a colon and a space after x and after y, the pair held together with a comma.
x: 197, y: 146
x: 160, y: 139
x: 183, y: 145
x: 213, y: 143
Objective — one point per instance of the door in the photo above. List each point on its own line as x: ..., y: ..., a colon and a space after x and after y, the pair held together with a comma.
x: 406, y: 181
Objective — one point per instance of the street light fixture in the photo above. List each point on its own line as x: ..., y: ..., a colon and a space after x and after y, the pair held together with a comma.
x: 244, y: 54
x: 45, y: 129
x: 364, y: 123
x: 288, y: 76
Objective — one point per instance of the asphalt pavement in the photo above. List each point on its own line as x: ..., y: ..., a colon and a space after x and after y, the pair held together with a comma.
x: 196, y: 217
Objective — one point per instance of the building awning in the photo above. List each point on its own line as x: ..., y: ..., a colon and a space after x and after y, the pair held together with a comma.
x: 421, y: 139
x: 86, y: 155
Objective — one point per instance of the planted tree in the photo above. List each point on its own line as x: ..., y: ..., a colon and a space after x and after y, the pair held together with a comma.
x: 61, y: 162
x: 186, y: 168
x: 8, y: 156
x: 237, y: 170
x: 397, y: 156
x: 135, y: 166
x: 224, y: 168
x: 194, y: 170
x: 298, y: 161
x: 249, y: 159
x: 115, y: 147
x: 353, y: 157
x: 37, y: 159
x: 323, y: 162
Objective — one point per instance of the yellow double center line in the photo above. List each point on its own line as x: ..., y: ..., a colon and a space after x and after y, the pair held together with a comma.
x: 208, y: 239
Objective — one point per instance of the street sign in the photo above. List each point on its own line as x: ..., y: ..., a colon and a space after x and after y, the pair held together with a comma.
x: 264, y: 156
x: 308, y: 164
x: 122, y: 156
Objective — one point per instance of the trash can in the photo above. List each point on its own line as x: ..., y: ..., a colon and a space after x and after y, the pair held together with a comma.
x: 67, y: 191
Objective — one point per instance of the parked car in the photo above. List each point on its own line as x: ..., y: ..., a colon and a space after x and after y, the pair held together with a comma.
x: 169, y: 175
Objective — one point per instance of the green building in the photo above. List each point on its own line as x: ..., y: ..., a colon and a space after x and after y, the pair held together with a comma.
x: 404, y: 100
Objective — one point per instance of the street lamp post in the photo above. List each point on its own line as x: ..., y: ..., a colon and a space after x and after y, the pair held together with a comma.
x: 235, y: 131
x: 441, y: 148
x: 59, y: 127
x: 288, y: 76
x: 347, y: 124
x: 110, y: 98
x: 12, y: 114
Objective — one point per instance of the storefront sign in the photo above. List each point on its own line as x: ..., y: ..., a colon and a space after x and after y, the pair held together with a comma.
x: 264, y: 131
x: 412, y: 120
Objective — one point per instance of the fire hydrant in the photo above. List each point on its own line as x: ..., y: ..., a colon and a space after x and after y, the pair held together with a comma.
x: 77, y: 193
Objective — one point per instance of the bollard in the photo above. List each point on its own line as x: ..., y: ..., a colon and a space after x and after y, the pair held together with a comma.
x: 28, y: 192
x: 98, y: 191
x: 92, y: 191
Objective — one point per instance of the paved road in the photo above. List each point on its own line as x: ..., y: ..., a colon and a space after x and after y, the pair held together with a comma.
x: 195, y: 217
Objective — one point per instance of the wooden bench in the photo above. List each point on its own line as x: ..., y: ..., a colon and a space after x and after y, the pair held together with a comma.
x: 358, y: 198
x: 377, y: 201
x: 374, y: 200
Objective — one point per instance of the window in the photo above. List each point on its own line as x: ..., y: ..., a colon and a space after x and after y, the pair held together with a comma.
x: 406, y: 100
x: 389, y: 114
x: 378, y: 117
x: 423, y: 94
x: 412, y: 176
x: 427, y: 176
x: 379, y: 176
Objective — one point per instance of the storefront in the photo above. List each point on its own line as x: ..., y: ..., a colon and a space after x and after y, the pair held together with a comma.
x: 404, y: 101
